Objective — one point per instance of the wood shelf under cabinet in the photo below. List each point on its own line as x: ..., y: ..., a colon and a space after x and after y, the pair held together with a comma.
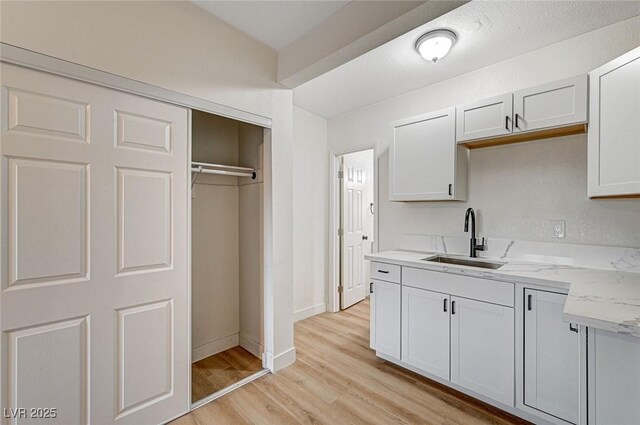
x: 526, y: 137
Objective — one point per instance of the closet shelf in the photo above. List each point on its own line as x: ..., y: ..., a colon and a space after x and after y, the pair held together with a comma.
x: 227, y: 170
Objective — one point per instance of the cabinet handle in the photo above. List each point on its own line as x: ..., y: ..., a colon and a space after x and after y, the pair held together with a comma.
x: 371, y: 287
x: 450, y: 189
x: 517, y: 121
x: 529, y: 298
x: 453, y: 307
x: 444, y: 306
x: 573, y: 328
x: 506, y: 123
x: 383, y: 271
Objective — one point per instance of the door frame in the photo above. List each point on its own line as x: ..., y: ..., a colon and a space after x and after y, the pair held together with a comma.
x: 332, y: 295
x: 25, y: 58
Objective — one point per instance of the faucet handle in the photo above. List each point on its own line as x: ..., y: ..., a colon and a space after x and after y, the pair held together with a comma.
x: 482, y: 246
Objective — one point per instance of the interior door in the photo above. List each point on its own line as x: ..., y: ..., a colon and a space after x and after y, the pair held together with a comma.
x: 426, y: 330
x: 551, y: 357
x: 94, y: 252
x: 482, y: 348
x: 353, y: 236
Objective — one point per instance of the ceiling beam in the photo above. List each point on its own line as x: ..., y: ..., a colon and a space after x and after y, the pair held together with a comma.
x: 354, y: 30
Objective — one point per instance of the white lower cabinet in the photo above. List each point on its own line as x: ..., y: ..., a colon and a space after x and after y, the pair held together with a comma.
x: 613, y: 378
x: 387, y: 317
x: 551, y: 357
x: 470, y: 343
x: 462, y: 330
x: 372, y: 317
x: 482, y: 348
x: 426, y: 330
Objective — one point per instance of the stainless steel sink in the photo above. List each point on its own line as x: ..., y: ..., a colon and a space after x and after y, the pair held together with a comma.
x: 464, y: 262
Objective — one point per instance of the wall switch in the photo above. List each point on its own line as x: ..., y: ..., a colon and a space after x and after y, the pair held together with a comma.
x: 558, y: 229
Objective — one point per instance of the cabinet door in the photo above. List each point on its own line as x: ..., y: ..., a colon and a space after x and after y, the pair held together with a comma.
x: 482, y: 348
x: 551, y: 357
x: 614, y: 128
x: 425, y: 330
x: 372, y: 317
x: 387, y: 318
x: 486, y: 118
x: 556, y: 104
x: 422, y: 158
x: 614, y: 378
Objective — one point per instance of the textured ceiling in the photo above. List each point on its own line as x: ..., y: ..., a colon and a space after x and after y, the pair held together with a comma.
x: 488, y: 32
x: 274, y: 23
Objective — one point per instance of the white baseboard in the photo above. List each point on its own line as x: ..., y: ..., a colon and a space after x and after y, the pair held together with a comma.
x: 214, y: 347
x: 309, y: 311
x: 251, y: 345
x: 282, y: 360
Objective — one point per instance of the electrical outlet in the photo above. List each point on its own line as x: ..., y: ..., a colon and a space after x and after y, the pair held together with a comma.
x: 558, y: 229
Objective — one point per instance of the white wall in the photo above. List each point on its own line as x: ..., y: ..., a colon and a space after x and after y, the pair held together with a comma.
x: 518, y: 188
x: 177, y: 46
x: 251, y: 197
x: 310, y: 204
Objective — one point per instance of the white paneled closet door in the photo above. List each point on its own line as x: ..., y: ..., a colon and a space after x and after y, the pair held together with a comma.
x: 94, y: 252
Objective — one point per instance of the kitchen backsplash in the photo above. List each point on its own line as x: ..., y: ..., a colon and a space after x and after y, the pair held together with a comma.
x: 591, y: 256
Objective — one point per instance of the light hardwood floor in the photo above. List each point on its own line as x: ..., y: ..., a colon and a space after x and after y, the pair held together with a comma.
x: 338, y: 380
x: 215, y: 372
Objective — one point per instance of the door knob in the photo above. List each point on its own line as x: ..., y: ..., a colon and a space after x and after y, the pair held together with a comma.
x: 365, y: 237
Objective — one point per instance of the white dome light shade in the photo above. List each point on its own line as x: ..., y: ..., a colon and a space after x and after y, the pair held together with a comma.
x: 435, y: 45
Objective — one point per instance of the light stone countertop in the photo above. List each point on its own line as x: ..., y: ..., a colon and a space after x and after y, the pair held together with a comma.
x: 601, y: 299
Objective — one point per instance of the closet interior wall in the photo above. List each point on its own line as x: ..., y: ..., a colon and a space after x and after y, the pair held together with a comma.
x: 227, y: 239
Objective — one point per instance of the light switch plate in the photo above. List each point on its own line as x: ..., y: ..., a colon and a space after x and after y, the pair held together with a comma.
x: 558, y: 229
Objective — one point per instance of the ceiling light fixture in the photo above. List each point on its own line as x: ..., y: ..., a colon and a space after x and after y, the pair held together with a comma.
x: 435, y: 45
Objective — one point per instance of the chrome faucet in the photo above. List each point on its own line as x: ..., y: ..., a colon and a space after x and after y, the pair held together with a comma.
x: 474, y: 247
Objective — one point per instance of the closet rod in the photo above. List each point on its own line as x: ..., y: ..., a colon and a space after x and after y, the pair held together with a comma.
x: 226, y: 167
x: 200, y: 169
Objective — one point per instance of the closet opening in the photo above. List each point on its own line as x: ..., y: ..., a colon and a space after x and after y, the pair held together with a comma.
x: 227, y: 254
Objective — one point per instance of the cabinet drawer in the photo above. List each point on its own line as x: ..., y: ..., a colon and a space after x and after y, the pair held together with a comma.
x: 383, y: 271
x: 491, y: 291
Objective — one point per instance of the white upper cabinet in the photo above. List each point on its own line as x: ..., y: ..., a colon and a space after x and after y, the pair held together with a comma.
x: 556, y: 104
x: 425, y: 164
x: 614, y: 132
x: 551, y: 357
x: 549, y: 110
x: 486, y: 118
